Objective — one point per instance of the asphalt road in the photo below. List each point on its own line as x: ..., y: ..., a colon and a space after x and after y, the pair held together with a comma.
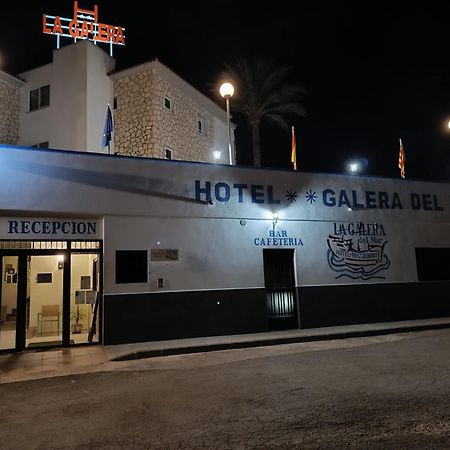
x: 386, y: 392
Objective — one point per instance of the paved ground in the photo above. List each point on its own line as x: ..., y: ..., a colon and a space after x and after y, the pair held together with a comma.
x: 388, y: 392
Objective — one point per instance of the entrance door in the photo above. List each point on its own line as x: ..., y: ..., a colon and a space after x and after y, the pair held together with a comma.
x: 85, y: 298
x: 44, y: 301
x: 9, y: 266
x: 279, y: 276
x: 50, y: 293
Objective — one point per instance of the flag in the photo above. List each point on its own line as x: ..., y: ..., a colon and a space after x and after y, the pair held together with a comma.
x: 294, y: 150
x: 109, y: 127
x: 401, y: 160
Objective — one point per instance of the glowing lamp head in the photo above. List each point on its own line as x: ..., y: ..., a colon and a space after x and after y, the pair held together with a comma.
x: 216, y: 154
x: 353, y: 167
x: 226, y: 90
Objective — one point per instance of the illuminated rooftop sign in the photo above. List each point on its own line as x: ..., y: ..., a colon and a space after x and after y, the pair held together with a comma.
x: 83, y: 25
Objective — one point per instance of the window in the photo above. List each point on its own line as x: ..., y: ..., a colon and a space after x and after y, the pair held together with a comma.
x: 44, y: 278
x: 39, y: 98
x: 433, y: 264
x: 168, y: 153
x: 200, y: 124
x: 168, y: 103
x: 41, y: 145
x: 115, y: 103
x: 131, y: 266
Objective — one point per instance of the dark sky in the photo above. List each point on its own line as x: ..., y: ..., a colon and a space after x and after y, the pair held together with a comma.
x: 374, y: 71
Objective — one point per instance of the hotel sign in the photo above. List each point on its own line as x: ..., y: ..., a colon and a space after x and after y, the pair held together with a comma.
x: 83, y: 25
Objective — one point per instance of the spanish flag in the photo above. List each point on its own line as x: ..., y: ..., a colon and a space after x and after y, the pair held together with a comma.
x: 401, y: 160
x: 294, y: 150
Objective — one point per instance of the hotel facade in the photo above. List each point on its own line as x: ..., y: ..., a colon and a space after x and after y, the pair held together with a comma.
x: 154, y: 239
x: 114, y: 249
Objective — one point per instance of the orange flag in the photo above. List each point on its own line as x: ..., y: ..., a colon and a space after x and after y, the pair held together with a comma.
x: 401, y: 160
x: 294, y: 150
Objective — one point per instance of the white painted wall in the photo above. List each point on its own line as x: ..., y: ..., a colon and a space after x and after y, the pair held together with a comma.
x: 99, y: 94
x: 220, y: 142
x: 79, y: 93
x: 145, y: 201
x: 36, y: 126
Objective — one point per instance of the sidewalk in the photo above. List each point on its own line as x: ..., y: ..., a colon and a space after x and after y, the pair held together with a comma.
x: 126, y: 352
x: 35, y: 364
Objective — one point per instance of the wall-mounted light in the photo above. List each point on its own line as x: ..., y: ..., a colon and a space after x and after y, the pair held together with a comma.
x: 216, y: 154
x: 60, y: 261
x: 275, y: 219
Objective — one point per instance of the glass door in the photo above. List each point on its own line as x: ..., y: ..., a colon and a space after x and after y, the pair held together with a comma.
x: 44, y: 301
x: 84, y: 298
x: 8, y: 302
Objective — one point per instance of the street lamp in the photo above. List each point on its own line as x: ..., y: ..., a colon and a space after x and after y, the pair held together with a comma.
x: 227, y: 91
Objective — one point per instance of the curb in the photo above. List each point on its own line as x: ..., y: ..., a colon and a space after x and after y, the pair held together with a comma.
x: 275, y: 341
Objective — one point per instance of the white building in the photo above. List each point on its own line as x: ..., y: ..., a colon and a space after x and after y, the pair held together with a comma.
x: 156, y: 113
x: 137, y: 249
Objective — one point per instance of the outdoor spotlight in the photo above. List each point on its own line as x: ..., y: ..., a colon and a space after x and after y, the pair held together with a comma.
x: 353, y: 167
x: 216, y: 154
x: 275, y: 219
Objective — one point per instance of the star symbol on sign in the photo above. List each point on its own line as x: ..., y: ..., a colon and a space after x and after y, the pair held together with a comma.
x: 291, y: 195
x: 311, y: 197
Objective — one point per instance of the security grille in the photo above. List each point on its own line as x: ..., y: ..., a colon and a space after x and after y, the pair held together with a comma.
x: 279, y: 279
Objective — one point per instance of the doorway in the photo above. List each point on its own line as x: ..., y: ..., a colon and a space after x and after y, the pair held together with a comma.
x: 50, y: 295
x: 279, y: 278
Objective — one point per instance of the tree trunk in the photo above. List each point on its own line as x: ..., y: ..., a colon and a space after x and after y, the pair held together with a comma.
x: 256, y: 143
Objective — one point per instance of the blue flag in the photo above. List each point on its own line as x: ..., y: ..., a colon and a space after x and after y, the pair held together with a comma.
x: 108, y: 128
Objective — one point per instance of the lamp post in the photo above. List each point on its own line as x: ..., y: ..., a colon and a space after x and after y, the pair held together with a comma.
x: 227, y: 91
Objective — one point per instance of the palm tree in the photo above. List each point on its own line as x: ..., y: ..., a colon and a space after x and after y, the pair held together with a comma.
x: 264, y: 92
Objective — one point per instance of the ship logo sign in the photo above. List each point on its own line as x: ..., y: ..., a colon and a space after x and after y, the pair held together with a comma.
x: 358, y: 251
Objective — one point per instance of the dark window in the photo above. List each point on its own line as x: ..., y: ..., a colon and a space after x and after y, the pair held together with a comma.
x: 85, y: 282
x: 168, y: 153
x: 131, y: 266
x: 34, y: 99
x: 433, y: 264
x: 200, y: 124
x: 167, y: 103
x: 115, y: 103
x: 39, y: 98
x: 44, y: 98
x: 44, y: 278
x: 41, y: 145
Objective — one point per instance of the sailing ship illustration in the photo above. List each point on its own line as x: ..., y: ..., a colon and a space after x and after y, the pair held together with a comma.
x: 365, y: 254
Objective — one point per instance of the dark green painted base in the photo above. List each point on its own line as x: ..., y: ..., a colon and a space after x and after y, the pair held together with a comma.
x: 177, y: 315
x: 354, y: 304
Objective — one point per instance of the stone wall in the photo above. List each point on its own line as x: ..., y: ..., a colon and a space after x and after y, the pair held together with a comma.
x: 133, y: 118
x: 9, y: 112
x: 144, y: 126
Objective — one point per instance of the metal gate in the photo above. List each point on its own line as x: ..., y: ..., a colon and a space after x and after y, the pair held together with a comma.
x: 279, y: 277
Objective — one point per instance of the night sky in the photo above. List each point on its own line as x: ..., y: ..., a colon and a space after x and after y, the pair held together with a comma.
x: 373, y: 71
